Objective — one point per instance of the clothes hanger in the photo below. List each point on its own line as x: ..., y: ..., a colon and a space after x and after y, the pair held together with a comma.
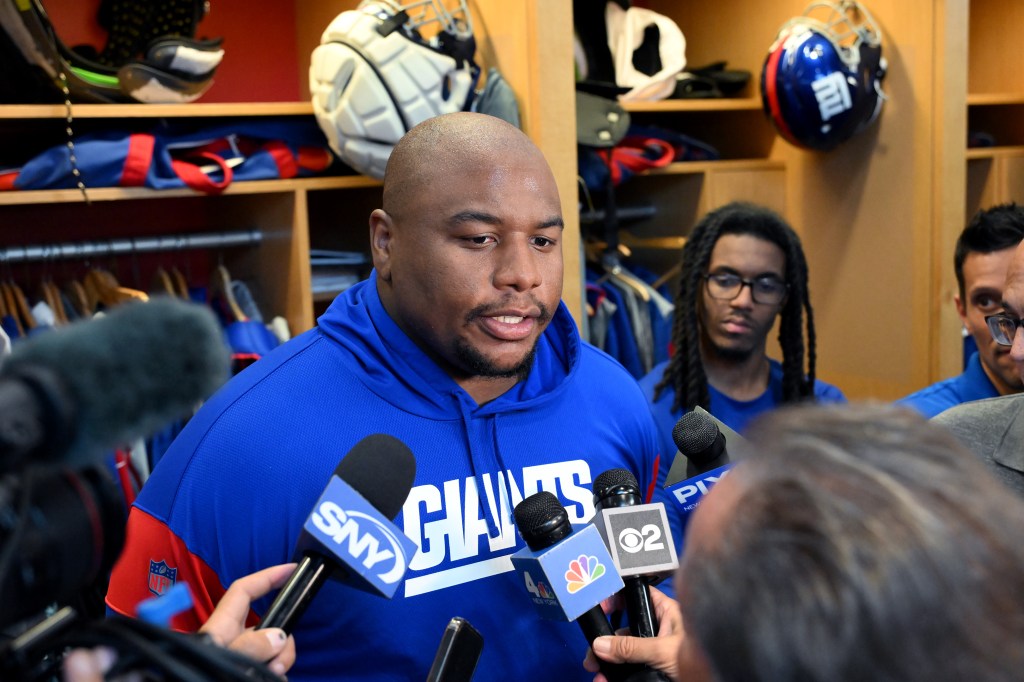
x: 180, y: 283
x: 162, y: 283
x: 220, y: 290
x: 11, y: 306
x: 24, y: 312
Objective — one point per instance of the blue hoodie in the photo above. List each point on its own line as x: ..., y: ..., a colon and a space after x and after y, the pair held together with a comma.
x: 233, y: 491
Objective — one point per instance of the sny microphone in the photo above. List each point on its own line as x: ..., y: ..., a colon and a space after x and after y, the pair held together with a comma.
x: 567, y: 574
x: 350, y: 536
x: 640, y: 541
x: 71, y: 393
x: 701, y: 442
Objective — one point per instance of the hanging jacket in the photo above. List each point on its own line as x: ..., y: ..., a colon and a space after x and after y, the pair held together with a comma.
x: 232, y: 493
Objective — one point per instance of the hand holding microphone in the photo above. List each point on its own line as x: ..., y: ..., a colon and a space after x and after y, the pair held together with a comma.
x: 660, y: 653
x: 640, y: 541
x: 568, y: 573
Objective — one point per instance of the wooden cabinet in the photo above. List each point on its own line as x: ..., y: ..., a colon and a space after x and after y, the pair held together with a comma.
x: 267, y: 55
x: 878, y: 216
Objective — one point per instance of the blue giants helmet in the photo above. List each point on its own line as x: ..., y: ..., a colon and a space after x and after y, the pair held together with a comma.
x: 822, y: 80
x: 376, y: 74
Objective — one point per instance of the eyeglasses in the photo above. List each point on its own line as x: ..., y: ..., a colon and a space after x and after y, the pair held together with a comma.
x: 727, y: 286
x: 1003, y: 327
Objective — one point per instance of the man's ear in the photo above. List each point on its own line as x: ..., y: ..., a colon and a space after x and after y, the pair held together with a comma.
x: 961, y: 310
x: 381, y: 232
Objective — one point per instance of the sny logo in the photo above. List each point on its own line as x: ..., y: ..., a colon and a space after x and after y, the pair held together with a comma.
x: 582, y: 571
x: 342, y: 526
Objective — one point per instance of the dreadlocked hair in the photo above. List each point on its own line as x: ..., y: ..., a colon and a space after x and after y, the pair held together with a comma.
x: 685, y: 371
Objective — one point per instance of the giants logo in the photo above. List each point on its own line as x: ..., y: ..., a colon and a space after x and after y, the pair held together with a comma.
x: 447, y: 526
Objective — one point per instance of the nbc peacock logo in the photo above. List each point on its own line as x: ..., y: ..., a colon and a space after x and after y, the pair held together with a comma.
x: 582, y: 571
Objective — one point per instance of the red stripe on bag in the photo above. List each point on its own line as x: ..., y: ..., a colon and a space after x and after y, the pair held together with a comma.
x: 136, y: 164
x: 314, y: 159
x: 287, y: 164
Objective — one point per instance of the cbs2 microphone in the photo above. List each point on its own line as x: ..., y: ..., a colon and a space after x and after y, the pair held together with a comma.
x: 640, y: 541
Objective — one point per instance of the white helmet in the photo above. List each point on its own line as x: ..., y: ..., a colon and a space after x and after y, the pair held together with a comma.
x: 374, y: 76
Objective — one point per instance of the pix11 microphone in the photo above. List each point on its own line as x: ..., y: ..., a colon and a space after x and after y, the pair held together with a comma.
x: 567, y: 574
x: 350, y: 536
x: 689, y: 492
x: 700, y: 438
x: 69, y: 394
x: 640, y: 541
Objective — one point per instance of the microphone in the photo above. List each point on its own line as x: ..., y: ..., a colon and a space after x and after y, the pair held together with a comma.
x: 568, y: 574
x: 73, y: 392
x: 689, y: 492
x: 700, y: 440
x: 640, y: 541
x: 458, y: 653
x: 349, y: 535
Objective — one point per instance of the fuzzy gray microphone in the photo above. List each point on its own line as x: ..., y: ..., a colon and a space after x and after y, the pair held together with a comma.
x: 72, y: 393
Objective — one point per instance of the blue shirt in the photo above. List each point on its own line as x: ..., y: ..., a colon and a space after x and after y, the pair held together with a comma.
x: 736, y: 414
x: 232, y: 492
x: 973, y: 384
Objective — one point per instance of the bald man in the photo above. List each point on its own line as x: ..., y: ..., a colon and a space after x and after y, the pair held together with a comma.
x: 458, y: 345
x: 994, y: 428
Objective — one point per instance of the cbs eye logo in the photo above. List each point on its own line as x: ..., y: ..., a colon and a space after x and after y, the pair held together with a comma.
x: 647, y: 539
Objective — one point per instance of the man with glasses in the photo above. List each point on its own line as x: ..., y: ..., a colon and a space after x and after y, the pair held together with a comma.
x: 983, y: 253
x: 743, y: 267
x: 994, y: 428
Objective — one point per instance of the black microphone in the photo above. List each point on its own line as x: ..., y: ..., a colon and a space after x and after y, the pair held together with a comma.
x: 699, y: 439
x: 350, y: 524
x: 457, y: 654
x: 543, y: 523
x: 73, y: 392
x: 640, y: 541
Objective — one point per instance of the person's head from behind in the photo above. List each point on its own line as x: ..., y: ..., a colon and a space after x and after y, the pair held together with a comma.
x: 855, y: 543
x: 467, y: 245
x: 743, y: 266
x: 981, y: 259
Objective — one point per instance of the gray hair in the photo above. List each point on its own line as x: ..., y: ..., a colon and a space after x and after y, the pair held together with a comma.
x: 866, y: 544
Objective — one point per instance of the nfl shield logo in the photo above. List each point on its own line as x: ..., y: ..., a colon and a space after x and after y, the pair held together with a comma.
x: 161, y: 577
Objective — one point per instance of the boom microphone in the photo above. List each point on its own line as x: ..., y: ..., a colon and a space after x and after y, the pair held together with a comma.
x: 640, y: 541
x: 568, y: 574
x: 349, y: 535
x: 73, y: 392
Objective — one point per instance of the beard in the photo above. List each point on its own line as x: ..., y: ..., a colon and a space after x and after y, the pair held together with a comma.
x: 477, y: 364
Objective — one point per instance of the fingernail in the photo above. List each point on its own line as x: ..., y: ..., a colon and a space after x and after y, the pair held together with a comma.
x: 277, y: 667
x: 602, y: 645
x: 276, y: 637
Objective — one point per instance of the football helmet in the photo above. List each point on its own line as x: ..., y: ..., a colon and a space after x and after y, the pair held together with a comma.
x: 822, y: 80
x: 376, y: 74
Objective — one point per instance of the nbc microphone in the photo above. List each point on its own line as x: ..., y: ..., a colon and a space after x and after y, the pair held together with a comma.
x: 640, y: 541
x: 350, y: 536
x: 568, y: 574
